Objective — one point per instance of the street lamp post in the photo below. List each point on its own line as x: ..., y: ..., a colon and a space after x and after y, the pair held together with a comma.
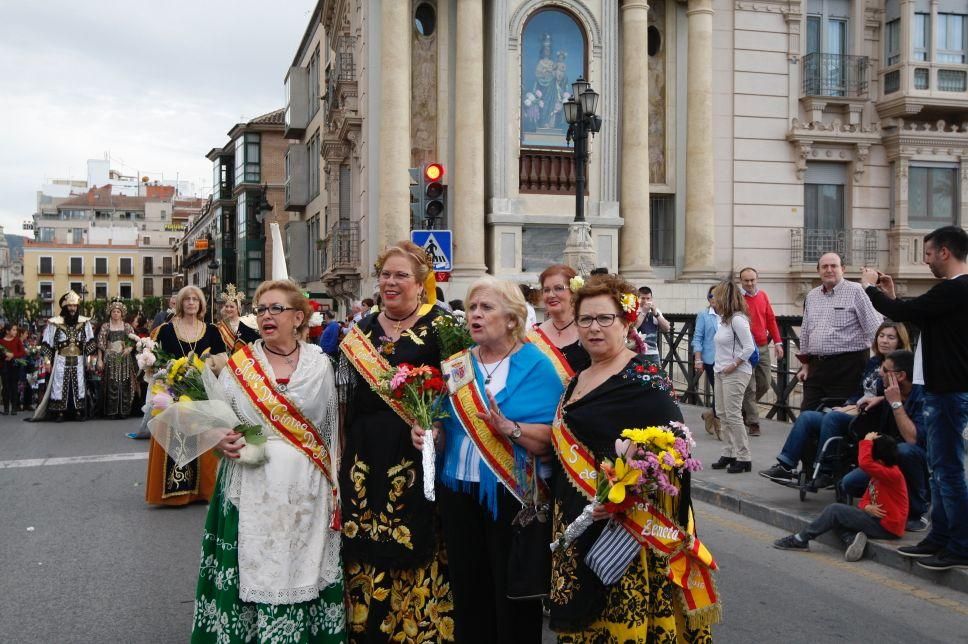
x: 213, y: 283
x: 580, y: 115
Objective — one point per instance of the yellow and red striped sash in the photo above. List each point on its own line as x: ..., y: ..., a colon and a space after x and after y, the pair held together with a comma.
x: 497, y: 450
x: 279, y: 412
x: 690, y: 563
x: 368, y: 362
x: 538, y: 338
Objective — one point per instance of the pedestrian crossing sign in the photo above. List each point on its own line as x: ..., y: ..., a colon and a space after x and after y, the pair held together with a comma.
x: 438, y: 244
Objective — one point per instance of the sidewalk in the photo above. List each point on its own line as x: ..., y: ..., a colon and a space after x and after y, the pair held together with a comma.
x: 752, y: 495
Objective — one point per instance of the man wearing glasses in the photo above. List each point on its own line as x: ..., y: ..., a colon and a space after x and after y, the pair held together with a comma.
x: 765, y: 330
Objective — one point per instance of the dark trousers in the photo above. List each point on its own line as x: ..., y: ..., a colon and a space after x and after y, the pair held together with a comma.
x: 845, y: 519
x: 913, y: 461
x: 711, y: 379
x: 477, y: 556
x: 833, y: 377
x: 10, y: 374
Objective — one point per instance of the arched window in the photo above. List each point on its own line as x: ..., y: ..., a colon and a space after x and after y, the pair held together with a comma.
x: 553, y: 56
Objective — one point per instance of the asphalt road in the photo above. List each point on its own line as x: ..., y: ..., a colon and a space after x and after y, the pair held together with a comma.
x: 85, y: 560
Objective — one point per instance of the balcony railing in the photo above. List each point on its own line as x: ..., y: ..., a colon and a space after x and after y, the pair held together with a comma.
x: 923, y: 79
x: 341, y: 248
x: 835, y: 75
x: 856, y: 247
x: 547, y: 172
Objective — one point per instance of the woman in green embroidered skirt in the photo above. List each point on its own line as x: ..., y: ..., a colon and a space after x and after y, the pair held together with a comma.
x: 270, y: 567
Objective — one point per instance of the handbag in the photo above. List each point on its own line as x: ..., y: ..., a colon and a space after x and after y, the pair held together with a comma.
x: 529, y: 559
x: 754, y: 359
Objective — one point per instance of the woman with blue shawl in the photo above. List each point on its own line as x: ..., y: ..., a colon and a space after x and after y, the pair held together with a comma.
x: 504, y: 393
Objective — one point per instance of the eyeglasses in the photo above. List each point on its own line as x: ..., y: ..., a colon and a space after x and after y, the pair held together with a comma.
x: 709, y: 296
x: 603, y: 319
x: 400, y: 277
x: 274, y: 309
x: 557, y: 288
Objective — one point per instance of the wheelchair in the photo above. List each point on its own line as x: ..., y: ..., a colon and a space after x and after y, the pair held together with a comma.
x: 837, y: 457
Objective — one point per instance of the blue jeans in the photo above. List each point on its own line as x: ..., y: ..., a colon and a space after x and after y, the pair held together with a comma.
x: 945, y: 418
x: 812, y: 424
x: 913, y: 461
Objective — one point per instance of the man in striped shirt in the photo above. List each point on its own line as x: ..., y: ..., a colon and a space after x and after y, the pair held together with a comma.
x: 839, y: 322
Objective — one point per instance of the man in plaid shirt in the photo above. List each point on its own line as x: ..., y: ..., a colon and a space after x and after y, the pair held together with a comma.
x: 839, y: 322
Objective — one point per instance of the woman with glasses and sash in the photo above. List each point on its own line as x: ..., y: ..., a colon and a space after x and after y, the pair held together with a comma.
x: 619, y: 390
x: 557, y: 336
x: 503, y: 397
x: 396, y: 576
x: 270, y: 567
x: 186, y: 332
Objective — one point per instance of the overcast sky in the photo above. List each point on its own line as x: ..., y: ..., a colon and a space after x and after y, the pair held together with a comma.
x: 154, y: 84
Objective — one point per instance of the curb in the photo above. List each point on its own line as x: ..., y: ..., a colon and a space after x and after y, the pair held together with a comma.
x: 883, y: 552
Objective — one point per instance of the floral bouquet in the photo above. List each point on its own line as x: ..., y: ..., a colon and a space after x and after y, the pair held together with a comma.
x: 189, y: 412
x: 646, y: 462
x: 452, y: 332
x: 421, y: 391
x: 148, y: 353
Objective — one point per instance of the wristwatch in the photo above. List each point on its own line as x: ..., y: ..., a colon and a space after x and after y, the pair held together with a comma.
x: 516, y: 432
x: 897, y: 404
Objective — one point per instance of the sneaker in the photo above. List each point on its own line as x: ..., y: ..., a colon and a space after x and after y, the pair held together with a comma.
x: 779, y: 473
x: 791, y: 543
x: 855, y: 551
x: 924, y: 548
x: 917, y: 525
x: 943, y: 560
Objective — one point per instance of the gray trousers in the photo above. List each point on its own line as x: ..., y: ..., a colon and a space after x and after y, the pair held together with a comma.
x: 845, y: 519
x: 760, y: 383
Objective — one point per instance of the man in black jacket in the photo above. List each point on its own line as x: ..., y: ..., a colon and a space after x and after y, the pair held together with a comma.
x: 941, y: 365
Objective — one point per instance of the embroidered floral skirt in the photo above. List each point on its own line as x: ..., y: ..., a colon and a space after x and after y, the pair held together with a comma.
x: 410, y: 605
x: 640, y: 607
x: 220, y: 616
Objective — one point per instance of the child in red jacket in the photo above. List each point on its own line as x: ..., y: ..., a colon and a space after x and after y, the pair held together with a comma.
x: 881, y: 513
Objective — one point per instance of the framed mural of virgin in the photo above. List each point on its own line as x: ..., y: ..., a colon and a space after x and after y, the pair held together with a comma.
x: 552, y: 58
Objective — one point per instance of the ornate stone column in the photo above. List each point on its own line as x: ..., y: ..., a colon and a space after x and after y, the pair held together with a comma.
x: 468, y: 185
x: 393, y: 207
x: 700, y: 259
x: 634, y: 249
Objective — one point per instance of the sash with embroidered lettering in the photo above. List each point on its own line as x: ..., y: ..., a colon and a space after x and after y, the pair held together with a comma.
x: 279, y: 412
x: 370, y: 364
x: 538, y: 338
x: 690, y: 563
x: 497, y: 450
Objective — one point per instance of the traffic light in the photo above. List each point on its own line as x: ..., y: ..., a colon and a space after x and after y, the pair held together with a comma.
x: 434, y: 195
x: 428, y: 196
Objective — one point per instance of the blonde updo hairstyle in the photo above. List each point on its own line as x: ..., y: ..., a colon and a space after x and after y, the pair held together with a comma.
x: 180, y: 301
x: 294, y: 298
x: 611, y: 285
x: 414, y: 254
x: 511, y: 301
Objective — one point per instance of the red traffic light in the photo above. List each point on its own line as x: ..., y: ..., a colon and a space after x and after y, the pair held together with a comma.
x: 433, y: 171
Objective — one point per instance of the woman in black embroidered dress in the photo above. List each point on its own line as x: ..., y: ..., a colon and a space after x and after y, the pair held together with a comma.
x: 396, y: 572
x: 619, y: 390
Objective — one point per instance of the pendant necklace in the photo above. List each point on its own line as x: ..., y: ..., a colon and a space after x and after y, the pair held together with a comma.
x: 397, y: 321
x: 488, y: 374
x: 285, y: 356
x: 562, y: 329
x: 190, y: 344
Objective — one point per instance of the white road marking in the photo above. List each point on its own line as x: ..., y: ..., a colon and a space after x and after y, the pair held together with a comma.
x: 73, y: 460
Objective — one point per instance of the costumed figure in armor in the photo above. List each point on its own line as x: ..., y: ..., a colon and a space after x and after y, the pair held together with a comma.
x: 115, y: 340
x: 235, y: 332
x: 67, y: 340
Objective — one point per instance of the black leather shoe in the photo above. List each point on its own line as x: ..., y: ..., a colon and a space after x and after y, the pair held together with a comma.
x: 739, y: 466
x: 723, y: 463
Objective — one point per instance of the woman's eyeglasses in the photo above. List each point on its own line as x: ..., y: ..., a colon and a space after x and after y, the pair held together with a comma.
x: 274, y: 309
x: 557, y: 288
x: 604, y: 320
x: 400, y: 277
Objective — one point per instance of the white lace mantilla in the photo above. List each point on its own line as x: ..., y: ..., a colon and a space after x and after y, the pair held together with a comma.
x: 287, y: 551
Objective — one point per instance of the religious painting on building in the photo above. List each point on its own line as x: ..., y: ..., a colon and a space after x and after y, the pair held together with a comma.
x: 552, y: 58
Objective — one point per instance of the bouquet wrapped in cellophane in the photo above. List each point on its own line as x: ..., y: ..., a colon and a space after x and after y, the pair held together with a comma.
x: 190, y: 414
x: 644, y: 466
x: 421, y: 391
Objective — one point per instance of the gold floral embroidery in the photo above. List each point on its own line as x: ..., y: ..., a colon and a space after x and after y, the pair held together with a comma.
x: 381, y: 525
x: 563, y: 566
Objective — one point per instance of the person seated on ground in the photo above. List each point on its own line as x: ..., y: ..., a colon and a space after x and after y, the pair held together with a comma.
x: 879, y: 515
x: 902, y: 419
x: 822, y: 426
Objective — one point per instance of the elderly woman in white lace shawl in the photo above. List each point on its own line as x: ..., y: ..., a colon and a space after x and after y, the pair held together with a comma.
x: 270, y: 566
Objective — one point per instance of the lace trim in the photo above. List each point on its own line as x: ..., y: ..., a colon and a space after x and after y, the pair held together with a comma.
x: 284, y: 596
